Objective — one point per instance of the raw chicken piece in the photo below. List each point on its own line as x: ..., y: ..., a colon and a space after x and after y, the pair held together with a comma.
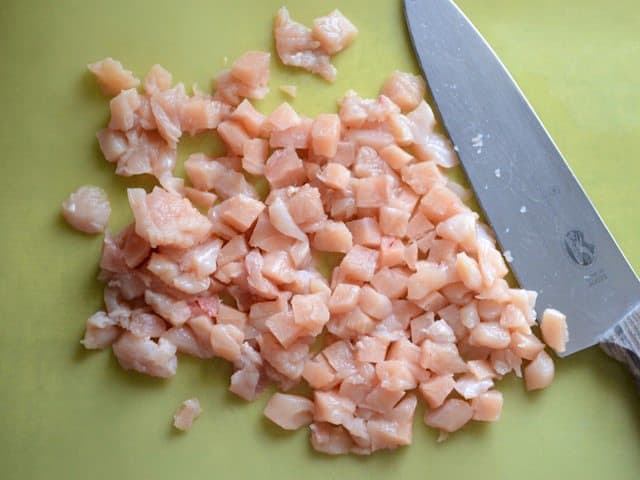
x: 451, y: 416
x: 334, y: 32
x: 539, y: 373
x: 240, y: 212
x: 158, y: 79
x: 332, y: 408
x: 526, y: 346
x: 113, y: 144
x: 226, y: 341
x: 359, y: 264
x: 289, y: 411
x: 123, y: 110
x: 365, y: 231
x: 233, y: 135
x: 435, y: 390
x: 441, y: 358
x: 318, y: 373
x: 166, y: 107
x: 296, y: 47
x: 254, y: 155
x: 187, y: 342
x: 490, y: 335
x: 283, y: 117
x: 330, y: 439
x: 284, y: 168
x: 404, y: 89
x: 188, y: 411
x: 252, y: 69
x: 87, y: 209
x: 373, y: 303
x: 146, y: 356
x: 394, y: 221
x: 554, y: 329
x: 176, y: 312
x: 250, y: 118
x: 325, y: 134
x: 201, y: 113
x: 101, y: 331
x: 112, y: 77
x: 165, y: 218
x: 487, y: 407
x: 373, y: 191
x: 207, y: 173
x: 335, y: 175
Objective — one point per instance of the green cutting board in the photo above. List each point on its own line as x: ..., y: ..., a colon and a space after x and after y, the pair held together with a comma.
x: 68, y: 414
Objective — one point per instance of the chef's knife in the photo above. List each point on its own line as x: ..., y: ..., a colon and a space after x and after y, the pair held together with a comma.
x: 542, y: 218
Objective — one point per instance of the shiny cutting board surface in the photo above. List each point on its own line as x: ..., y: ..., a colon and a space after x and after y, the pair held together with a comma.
x: 69, y: 414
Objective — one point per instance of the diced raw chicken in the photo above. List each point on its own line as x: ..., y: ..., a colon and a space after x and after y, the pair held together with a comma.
x: 382, y: 400
x: 112, y: 143
x: 373, y: 303
x: 428, y: 278
x: 240, y: 212
x: 147, y: 152
x: 144, y: 324
x: 231, y: 316
x: 395, y: 375
x: 157, y: 80
x: 226, y: 341
x: 289, y: 411
x: 165, y: 218
x: 199, y: 198
x: 123, y: 110
x: 176, y: 312
x: 187, y: 342
x: 283, y: 117
x: 310, y: 312
x: 166, y: 107
x: 554, y: 329
x: 394, y: 221
x: 487, y: 407
x: 371, y: 349
x: 188, y: 411
x: 332, y: 408
x: 365, y: 231
x: 250, y: 118
x: 359, y: 264
x: 526, y: 346
x: 289, y: 362
x: 325, y: 134
x: 334, y: 32
x: 441, y: 358
x: 435, y: 390
x: 112, y: 77
x: 146, y: 356
x: 296, y: 47
x: 470, y: 387
x: 422, y: 176
x: 405, y: 89
x: 441, y: 203
x: 335, y: 175
x: 254, y: 155
x: 490, y: 335
x: 284, y: 168
x: 451, y: 416
x: 373, y: 191
x: 318, y: 373
x: 100, y: 332
x: 423, y: 121
x: 87, y: 209
x: 396, y: 157
x: 330, y: 439
x: 283, y: 222
x: 252, y: 69
x: 540, y: 372
x: 233, y: 135
x: 201, y: 113
x: 297, y: 136
x: 391, y: 282
x: 401, y: 128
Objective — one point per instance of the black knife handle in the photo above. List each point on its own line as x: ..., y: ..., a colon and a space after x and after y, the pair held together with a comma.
x: 622, y: 342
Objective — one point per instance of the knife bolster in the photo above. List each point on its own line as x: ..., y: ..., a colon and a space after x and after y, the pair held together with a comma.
x: 622, y: 342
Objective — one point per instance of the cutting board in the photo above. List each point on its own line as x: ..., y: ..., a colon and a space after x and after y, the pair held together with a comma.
x: 67, y: 413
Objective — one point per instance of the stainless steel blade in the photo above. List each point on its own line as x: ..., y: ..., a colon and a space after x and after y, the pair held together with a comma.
x: 538, y: 210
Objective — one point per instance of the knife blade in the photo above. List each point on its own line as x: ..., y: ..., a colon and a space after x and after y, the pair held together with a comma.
x: 558, y: 244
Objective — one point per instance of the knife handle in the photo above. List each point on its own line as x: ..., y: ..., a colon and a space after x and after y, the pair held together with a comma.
x: 622, y: 342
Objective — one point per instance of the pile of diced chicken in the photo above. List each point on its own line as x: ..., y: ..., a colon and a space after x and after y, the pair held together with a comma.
x: 417, y: 306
